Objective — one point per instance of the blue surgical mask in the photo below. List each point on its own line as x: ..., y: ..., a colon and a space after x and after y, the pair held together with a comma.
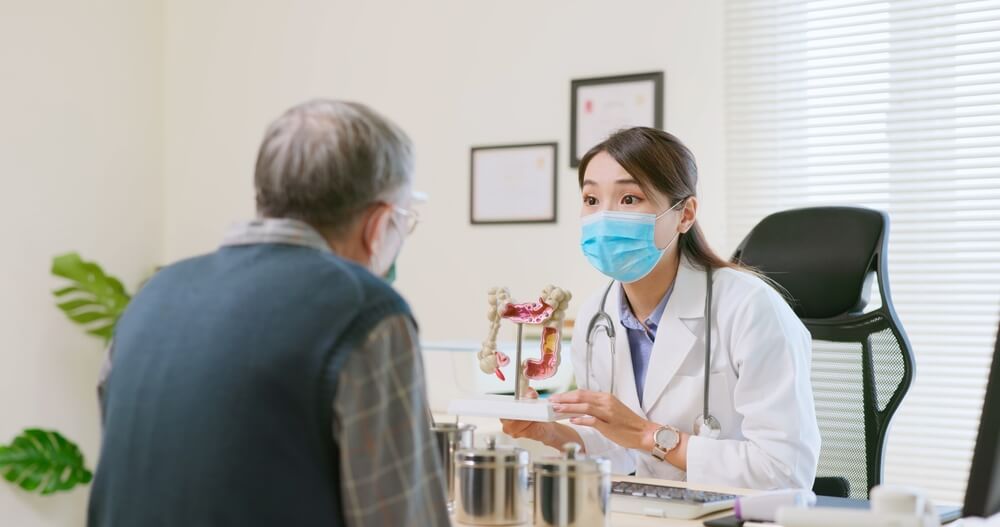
x: 621, y: 245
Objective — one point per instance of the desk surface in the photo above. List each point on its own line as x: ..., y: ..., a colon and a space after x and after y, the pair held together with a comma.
x: 635, y: 520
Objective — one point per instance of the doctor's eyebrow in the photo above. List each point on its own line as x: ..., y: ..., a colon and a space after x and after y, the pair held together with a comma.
x: 631, y: 182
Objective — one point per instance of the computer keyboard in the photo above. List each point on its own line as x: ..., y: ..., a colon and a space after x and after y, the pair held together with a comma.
x: 666, y: 502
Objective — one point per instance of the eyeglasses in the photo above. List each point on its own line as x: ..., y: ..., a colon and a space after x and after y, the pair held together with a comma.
x: 412, y: 218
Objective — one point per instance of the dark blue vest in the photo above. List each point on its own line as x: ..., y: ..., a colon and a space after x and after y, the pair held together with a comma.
x: 218, y: 409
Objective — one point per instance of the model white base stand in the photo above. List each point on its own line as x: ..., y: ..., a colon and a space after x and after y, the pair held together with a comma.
x: 505, y: 407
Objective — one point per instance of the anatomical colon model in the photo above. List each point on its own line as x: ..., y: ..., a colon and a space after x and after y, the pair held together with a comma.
x: 548, y: 312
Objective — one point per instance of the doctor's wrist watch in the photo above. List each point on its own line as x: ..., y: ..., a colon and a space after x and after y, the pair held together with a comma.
x: 665, y: 439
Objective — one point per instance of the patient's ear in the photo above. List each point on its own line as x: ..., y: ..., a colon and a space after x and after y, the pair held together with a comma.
x: 375, y: 226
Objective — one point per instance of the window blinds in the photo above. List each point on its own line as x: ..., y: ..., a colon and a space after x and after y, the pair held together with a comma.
x: 895, y: 106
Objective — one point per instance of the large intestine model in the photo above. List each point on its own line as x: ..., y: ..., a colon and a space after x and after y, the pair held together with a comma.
x: 548, y: 312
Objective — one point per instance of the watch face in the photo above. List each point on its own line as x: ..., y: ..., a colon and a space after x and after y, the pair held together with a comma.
x: 666, y: 438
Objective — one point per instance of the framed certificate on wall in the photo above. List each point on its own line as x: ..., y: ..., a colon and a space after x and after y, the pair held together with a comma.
x: 602, y: 105
x: 513, y: 184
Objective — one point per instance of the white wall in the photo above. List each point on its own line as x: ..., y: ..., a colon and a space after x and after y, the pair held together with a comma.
x: 80, y: 166
x: 453, y: 73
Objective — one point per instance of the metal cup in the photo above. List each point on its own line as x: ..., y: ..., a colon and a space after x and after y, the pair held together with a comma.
x: 492, y: 486
x: 572, y: 490
x: 451, y: 437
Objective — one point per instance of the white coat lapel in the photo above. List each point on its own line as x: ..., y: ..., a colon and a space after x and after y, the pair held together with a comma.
x: 624, y: 376
x: 674, y: 339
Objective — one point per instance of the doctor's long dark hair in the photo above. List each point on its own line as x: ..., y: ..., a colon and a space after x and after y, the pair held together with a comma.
x: 659, y: 161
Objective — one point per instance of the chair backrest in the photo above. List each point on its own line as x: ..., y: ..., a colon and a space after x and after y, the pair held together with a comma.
x: 825, y: 258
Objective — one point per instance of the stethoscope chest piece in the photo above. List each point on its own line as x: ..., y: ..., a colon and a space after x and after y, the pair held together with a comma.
x: 710, y: 428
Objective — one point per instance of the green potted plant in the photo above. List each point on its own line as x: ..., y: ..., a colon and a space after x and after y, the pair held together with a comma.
x: 45, y: 461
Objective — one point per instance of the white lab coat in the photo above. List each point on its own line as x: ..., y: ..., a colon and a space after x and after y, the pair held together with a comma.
x: 760, y: 383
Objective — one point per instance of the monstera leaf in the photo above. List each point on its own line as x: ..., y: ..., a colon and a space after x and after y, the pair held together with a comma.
x: 94, y: 299
x: 43, y: 459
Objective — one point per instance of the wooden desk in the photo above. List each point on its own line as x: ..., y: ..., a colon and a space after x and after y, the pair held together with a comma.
x: 635, y: 520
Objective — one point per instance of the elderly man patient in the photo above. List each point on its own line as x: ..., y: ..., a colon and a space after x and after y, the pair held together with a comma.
x: 277, y: 380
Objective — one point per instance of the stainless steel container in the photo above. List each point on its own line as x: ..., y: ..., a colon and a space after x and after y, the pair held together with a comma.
x: 572, y: 491
x: 451, y: 437
x: 492, y: 485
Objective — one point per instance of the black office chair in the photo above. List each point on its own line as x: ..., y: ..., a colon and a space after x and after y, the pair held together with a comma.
x: 825, y: 259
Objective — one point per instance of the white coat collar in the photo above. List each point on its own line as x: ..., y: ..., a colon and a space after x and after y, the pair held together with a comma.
x: 675, y: 338
x: 689, y: 291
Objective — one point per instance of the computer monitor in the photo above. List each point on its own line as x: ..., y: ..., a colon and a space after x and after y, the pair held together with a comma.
x: 982, y: 497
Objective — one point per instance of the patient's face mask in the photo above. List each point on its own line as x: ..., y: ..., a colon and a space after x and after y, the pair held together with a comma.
x: 621, y: 245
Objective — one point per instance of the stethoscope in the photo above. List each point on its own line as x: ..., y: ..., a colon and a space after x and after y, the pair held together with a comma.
x: 705, y: 425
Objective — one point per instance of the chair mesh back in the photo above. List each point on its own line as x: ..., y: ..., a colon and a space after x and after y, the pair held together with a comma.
x: 837, y: 388
x: 838, y: 376
x: 889, y: 363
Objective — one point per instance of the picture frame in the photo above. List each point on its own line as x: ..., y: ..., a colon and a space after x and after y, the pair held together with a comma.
x: 513, y: 184
x: 602, y: 105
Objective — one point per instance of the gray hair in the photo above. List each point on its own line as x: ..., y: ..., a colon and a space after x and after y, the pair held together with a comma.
x: 325, y: 161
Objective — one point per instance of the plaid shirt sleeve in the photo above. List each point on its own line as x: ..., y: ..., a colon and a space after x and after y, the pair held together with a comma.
x: 390, y: 471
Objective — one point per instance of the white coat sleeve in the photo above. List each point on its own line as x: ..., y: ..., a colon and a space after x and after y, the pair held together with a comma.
x: 622, y: 459
x: 771, y: 351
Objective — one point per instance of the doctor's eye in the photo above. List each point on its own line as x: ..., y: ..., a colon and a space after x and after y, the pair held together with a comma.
x: 590, y: 200
x: 631, y: 200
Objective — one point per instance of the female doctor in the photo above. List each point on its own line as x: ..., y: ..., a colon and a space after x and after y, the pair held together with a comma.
x: 642, y: 405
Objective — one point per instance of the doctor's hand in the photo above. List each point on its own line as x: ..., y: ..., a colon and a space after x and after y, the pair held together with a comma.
x: 551, y: 434
x: 607, y: 415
